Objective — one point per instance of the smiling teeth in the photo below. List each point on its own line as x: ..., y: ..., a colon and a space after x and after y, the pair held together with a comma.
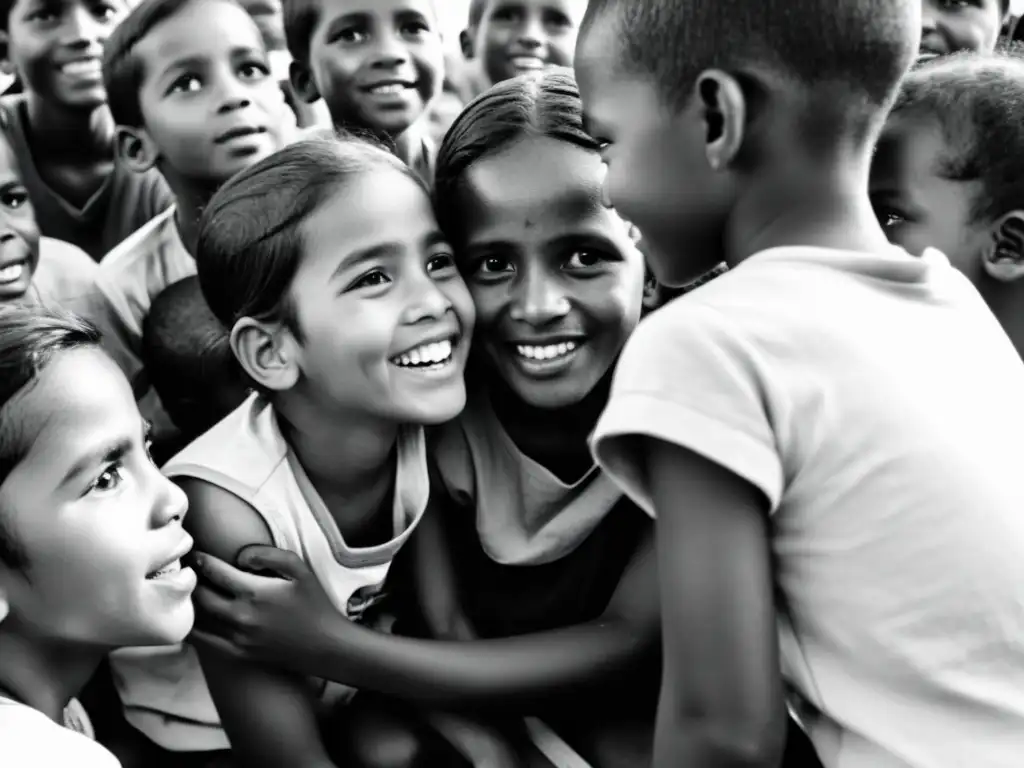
x: 435, y: 354
x: 85, y: 67
x: 167, y: 570
x: 12, y: 273
x: 389, y: 88
x: 527, y: 62
x: 546, y: 352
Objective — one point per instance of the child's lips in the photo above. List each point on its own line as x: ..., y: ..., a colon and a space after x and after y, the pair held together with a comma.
x: 12, y: 273
x: 86, y: 67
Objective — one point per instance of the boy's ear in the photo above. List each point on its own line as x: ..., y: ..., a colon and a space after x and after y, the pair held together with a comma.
x: 135, y: 148
x: 301, y: 79
x: 466, y: 43
x: 652, y: 293
x: 1003, y: 259
x: 724, y: 112
x: 267, y: 353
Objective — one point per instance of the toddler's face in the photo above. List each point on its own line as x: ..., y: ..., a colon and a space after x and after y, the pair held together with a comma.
x: 556, y: 279
x: 959, y: 25
x: 917, y: 205
x: 19, y: 233
x: 99, y: 525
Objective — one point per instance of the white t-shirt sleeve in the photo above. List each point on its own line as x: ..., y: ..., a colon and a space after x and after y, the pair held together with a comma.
x: 28, y: 739
x: 686, y: 377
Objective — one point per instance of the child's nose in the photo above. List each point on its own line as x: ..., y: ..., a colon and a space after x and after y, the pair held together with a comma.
x: 171, y: 503
x: 82, y: 27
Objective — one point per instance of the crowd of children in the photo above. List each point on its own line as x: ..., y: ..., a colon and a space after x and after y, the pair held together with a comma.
x: 614, y: 395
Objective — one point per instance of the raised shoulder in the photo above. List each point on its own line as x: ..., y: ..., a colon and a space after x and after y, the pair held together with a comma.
x: 221, y: 523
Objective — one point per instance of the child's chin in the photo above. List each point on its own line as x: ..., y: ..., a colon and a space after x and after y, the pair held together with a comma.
x: 441, y: 407
x: 171, y: 627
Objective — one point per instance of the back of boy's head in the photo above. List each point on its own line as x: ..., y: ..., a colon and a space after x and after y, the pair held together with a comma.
x: 847, y: 56
x: 188, y: 358
x: 548, y: 105
x: 123, y: 68
x: 977, y: 100
x: 30, y: 338
x: 252, y: 234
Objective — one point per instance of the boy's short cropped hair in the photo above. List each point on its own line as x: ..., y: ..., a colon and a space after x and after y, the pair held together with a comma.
x: 188, y: 359
x: 857, y: 48
x: 978, y: 102
x: 30, y: 336
x: 123, y: 67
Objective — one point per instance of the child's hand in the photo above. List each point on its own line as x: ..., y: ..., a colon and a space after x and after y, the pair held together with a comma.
x: 270, y: 611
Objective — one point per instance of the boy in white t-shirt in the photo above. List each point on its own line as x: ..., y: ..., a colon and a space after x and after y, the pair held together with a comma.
x: 90, y: 535
x: 821, y: 431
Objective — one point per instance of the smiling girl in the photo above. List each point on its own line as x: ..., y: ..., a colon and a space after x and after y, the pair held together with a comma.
x: 347, y: 313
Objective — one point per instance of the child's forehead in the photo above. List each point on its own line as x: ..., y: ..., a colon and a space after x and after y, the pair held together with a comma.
x: 378, y: 8
x: 59, y: 421
x: 574, y: 9
x: 120, y: 5
x: 226, y: 28
x: 9, y: 168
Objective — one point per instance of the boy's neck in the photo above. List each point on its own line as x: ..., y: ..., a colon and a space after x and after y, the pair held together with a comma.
x: 42, y: 676
x: 190, y: 200
x: 350, y: 461
x: 409, y: 144
x: 1006, y: 300
x: 822, y: 206
x: 57, y: 131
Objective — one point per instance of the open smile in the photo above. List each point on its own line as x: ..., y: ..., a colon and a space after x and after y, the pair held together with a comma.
x: 387, y: 88
x: 13, y: 273
x: 527, y: 63
x: 430, y: 357
x: 544, y: 359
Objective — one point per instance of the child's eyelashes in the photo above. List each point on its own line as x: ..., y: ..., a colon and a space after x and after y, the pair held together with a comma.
x: 109, y: 479
x: 581, y: 261
x: 585, y: 259
x: 14, y: 198
x: 190, y: 82
x: 440, y: 262
x: 349, y: 35
x: 373, y: 279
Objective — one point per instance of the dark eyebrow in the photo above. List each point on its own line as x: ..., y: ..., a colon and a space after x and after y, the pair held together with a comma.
x: 357, y: 258
x: 105, y: 454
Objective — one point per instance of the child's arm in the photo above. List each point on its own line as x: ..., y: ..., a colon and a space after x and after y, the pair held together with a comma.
x: 721, y: 698
x: 287, y: 621
x: 267, y: 714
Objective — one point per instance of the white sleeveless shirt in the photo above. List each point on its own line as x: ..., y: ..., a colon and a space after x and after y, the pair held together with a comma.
x: 163, y: 690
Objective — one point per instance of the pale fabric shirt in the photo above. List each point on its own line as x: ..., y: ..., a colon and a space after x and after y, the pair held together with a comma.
x: 29, y: 739
x: 130, y: 277
x: 163, y: 690
x: 877, y: 404
x: 525, y: 514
